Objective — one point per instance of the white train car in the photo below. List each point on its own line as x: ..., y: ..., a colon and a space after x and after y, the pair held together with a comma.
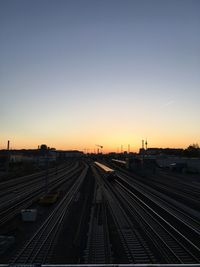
x: 122, y: 162
x: 109, y: 173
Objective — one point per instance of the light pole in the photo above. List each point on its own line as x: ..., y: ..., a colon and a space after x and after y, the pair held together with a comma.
x: 8, y: 157
x: 47, y: 173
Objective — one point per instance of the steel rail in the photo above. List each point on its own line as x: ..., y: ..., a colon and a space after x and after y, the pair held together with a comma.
x: 145, y: 211
x: 27, y: 191
x: 188, y: 191
x: 187, y: 204
x: 133, y: 243
x: 135, y: 247
x: 163, y: 202
x: 18, y: 183
x: 18, y: 180
x: 16, y: 206
x: 36, y: 250
x: 98, y: 248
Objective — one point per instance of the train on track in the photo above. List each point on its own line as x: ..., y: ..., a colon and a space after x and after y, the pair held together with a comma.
x: 129, y: 163
x: 121, y: 162
x: 109, y: 173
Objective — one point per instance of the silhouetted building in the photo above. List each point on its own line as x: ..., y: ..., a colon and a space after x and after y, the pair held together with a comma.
x: 162, y: 151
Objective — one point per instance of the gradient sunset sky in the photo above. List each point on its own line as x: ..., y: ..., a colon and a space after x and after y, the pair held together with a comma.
x: 75, y: 73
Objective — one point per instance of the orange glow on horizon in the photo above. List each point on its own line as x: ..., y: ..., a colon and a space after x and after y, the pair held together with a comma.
x: 90, y: 147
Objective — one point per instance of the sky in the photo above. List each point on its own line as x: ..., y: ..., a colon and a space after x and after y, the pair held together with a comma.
x: 76, y: 73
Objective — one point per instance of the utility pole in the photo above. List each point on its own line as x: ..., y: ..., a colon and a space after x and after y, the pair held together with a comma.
x: 8, y: 157
x: 143, y: 151
x: 47, y: 172
x: 146, y: 144
x: 128, y: 149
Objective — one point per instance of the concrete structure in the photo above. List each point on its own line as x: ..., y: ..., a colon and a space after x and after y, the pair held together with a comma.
x: 32, y: 155
x: 193, y: 164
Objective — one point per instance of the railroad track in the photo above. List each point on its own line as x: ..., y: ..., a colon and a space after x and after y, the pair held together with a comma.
x: 27, y: 196
x: 162, y: 202
x: 98, y: 248
x: 172, y: 245
x: 188, y: 189
x: 12, y: 192
x: 39, y: 248
x: 174, y: 235
x: 169, y: 185
x: 134, y: 246
x: 16, y: 183
x: 188, y: 201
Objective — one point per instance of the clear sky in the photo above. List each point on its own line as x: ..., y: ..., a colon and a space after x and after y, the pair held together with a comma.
x: 75, y: 73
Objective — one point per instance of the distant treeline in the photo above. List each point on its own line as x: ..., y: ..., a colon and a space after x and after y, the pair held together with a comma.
x: 192, y: 151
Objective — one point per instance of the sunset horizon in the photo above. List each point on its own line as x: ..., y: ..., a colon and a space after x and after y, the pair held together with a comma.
x: 78, y: 73
x: 93, y: 148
